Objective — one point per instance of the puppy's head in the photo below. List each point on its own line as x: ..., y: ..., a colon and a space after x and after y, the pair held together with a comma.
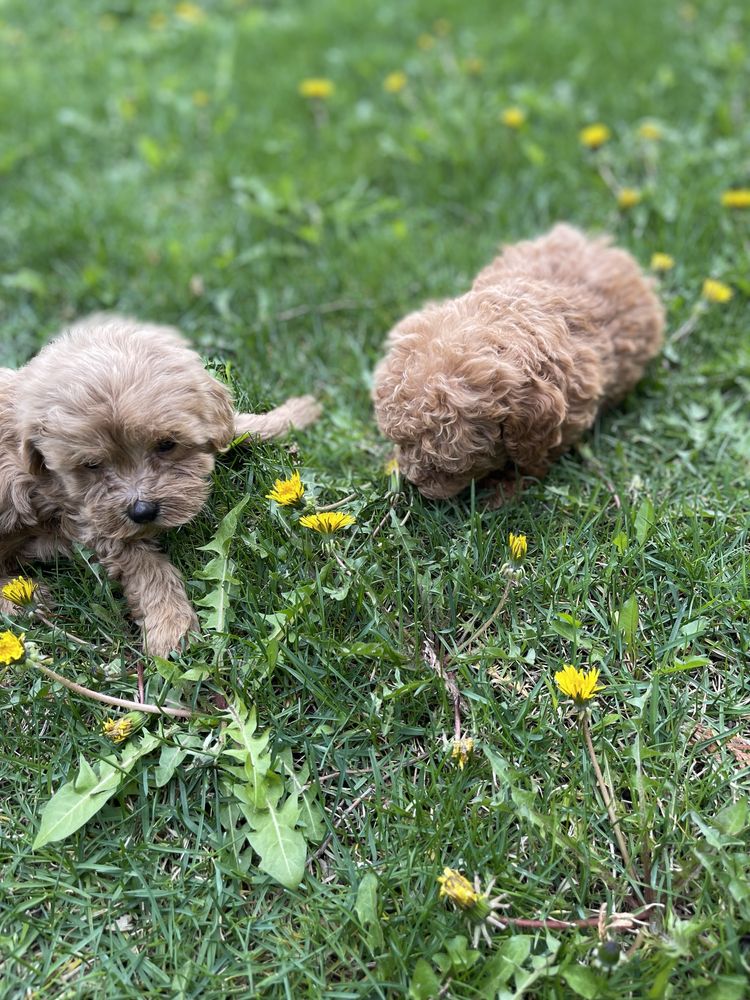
x: 127, y: 421
x: 463, y: 391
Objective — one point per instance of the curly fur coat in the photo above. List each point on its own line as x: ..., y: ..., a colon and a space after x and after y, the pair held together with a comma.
x: 517, y: 369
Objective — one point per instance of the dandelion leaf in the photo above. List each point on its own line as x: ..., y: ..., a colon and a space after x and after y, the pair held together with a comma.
x: 366, y: 908
x: 583, y: 981
x: 627, y: 620
x: 169, y: 760
x: 311, y: 813
x: 220, y: 572
x: 280, y: 847
x: 644, y: 521
x: 508, y: 960
x: 424, y: 983
x: 80, y: 799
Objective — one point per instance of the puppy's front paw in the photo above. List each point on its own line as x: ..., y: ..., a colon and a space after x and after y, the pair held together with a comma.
x: 166, y: 632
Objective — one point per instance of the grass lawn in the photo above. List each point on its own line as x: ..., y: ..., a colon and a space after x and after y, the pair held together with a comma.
x: 159, y: 159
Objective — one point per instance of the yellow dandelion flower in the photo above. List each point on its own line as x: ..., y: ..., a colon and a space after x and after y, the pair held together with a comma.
x: 579, y: 685
x: 316, y: 88
x: 518, y: 546
x: 650, y: 131
x: 425, y: 42
x: 736, y: 198
x: 157, y: 22
x: 327, y: 523
x: 395, y: 82
x: 628, y: 197
x: 391, y: 467
x: 473, y: 65
x: 118, y: 730
x: 201, y: 98
x: 661, y: 262
x: 513, y: 117
x: 19, y: 591
x: 458, y: 889
x: 594, y: 136
x: 442, y: 26
x: 287, y: 491
x: 12, y: 649
x: 190, y: 13
x: 716, y: 291
x: 461, y: 750
x: 480, y: 906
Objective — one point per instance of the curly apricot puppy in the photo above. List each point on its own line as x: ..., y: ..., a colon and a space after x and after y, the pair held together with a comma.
x: 515, y: 370
x: 107, y: 437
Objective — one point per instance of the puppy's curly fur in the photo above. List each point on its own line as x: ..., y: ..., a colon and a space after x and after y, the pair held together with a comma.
x: 107, y: 437
x: 515, y: 370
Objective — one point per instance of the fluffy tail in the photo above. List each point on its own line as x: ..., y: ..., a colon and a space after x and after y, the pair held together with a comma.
x: 296, y: 413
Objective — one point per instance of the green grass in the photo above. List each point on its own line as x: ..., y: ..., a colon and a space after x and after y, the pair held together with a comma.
x: 285, y: 244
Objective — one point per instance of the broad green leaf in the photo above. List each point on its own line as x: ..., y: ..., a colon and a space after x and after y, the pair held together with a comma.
x: 457, y: 957
x: 566, y: 626
x: 620, y: 541
x: 80, y: 799
x: 196, y: 674
x: 732, y: 819
x: 252, y: 749
x: 583, y: 981
x: 281, y: 849
x: 644, y: 520
x: 729, y: 988
x: 691, y: 663
x: 217, y: 601
x: 508, y: 959
x: 366, y: 908
x: 258, y: 793
x: 86, y: 778
x: 500, y: 767
x: 311, y: 813
x: 627, y: 620
x: 424, y: 984
x: 169, y: 760
x: 69, y: 809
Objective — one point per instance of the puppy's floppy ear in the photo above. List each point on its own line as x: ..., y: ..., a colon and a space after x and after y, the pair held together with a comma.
x: 218, y: 413
x: 532, y: 427
x: 31, y: 458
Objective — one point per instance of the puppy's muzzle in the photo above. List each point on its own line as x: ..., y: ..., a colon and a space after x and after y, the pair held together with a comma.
x: 143, y: 511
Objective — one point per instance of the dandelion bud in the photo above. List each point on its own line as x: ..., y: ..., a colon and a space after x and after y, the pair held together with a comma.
x: 118, y: 730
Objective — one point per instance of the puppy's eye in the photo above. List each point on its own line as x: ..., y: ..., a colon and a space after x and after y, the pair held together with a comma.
x: 166, y: 445
x: 92, y: 465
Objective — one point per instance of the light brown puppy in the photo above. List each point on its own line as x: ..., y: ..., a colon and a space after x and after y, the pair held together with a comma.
x: 108, y: 437
x: 516, y: 370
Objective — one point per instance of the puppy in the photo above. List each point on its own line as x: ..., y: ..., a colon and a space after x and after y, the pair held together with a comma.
x: 108, y: 437
x: 516, y: 370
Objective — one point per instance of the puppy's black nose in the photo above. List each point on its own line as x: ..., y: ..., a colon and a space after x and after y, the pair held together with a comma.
x: 143, y: 511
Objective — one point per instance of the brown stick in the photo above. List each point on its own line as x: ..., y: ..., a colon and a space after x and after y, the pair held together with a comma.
x: 338, y: 503
x: 108, y: 699
x: 68, y: 635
